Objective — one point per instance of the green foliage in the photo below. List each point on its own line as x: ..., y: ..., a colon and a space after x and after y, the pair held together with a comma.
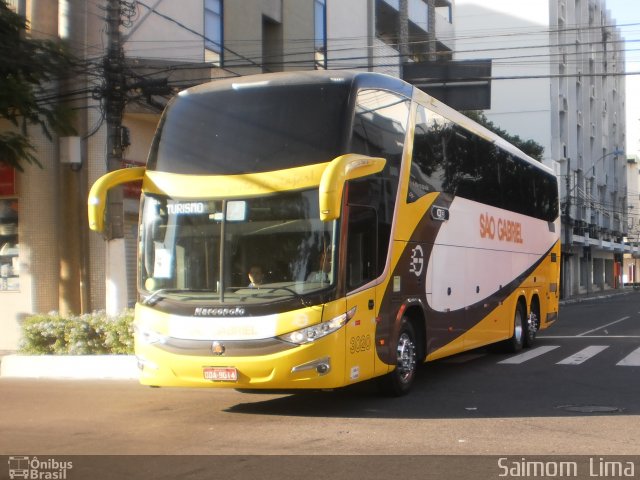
x: 28, y: 68
x: 530, y: 147
x: 89, y: 334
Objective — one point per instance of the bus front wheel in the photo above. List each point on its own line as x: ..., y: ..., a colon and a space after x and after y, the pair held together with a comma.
x: 399, y: 381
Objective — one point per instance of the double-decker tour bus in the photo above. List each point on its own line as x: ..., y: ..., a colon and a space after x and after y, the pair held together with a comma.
x: 311, y: 230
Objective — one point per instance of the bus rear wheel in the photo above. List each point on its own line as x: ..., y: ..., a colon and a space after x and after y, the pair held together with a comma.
x: 399, y: 381
x: 531, y: 326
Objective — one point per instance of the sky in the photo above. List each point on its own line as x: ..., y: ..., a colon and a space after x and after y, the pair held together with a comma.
x: 627, y: 12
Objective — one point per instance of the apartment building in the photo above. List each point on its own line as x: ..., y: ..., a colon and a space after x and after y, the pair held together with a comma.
x: 558, y: 79
x: 50, y: 261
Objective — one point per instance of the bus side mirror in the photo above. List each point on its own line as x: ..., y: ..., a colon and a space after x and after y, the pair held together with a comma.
x: 97, y: 202
x: 343, y: 168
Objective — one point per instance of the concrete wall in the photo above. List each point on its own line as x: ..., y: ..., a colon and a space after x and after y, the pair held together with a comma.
x: 178, y: 37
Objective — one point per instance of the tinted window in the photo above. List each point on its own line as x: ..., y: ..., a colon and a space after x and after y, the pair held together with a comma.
x: 235, y: 131
x: 379, y: 129
x: 450, y: 159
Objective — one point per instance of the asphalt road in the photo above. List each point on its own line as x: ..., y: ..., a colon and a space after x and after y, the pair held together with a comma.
x: 579, y: 396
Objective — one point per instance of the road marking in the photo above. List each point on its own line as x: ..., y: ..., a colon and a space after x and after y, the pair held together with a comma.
x: 604, y: 326
x: 631, y: 360
x: 523, y: 357
x: 583, y: 355
x: 590, y: 337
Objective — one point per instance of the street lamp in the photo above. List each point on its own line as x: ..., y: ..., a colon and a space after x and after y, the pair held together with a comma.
x: 570, y: 190
x: 592, y: 168
x: 616, y: 152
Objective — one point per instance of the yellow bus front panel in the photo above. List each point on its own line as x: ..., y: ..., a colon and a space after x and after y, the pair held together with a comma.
x: 339, y: 358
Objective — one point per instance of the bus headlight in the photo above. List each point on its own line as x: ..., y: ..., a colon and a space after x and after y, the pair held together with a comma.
x: 311, y: 334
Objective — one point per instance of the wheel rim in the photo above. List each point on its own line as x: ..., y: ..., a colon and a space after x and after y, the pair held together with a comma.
x: 518, y: 326
x: 533, y: 325
x: 406, y: 358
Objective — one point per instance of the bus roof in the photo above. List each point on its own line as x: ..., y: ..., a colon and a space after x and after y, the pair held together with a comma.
x: 355, y: 80
x: 306, y: 77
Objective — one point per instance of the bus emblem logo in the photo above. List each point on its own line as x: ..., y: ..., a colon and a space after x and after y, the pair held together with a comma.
x: 417, y: 261
x: 218, y: 348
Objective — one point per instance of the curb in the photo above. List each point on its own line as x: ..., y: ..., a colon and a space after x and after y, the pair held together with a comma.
x: 597, y: 296
x: 84, y: 367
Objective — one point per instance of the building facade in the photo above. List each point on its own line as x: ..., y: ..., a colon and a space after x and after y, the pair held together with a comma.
x: 50, y: 261
x: 558, y: 78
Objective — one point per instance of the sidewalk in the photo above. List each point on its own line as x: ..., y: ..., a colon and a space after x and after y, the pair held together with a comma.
x: 124, y: 367
x: 80, y: 367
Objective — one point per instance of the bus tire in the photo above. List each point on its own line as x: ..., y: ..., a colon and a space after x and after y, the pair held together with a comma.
x: 531, y: 326
x: 399, y: 381
x: 516, y: 342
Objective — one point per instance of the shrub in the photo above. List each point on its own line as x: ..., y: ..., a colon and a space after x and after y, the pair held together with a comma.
x: 89, y: 334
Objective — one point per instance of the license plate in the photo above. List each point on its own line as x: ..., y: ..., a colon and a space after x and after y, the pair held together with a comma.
x: 220, y: 374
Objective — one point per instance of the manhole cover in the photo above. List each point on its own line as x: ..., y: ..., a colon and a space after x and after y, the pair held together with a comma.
x: 589, y: 408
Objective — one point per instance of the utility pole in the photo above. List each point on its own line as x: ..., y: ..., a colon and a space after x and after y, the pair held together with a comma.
x: 431, y: 31
x: 73, y: 231
x: 565, y: 282
x: 567, y: 180
x: 114, y: 97
x: 403, y: 31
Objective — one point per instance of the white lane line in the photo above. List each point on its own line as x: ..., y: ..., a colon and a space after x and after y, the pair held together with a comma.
x: 583, y: 355
x: 603, y: 326
x: 631, y: 360
x: 528, y: 355
x: 590, y: 337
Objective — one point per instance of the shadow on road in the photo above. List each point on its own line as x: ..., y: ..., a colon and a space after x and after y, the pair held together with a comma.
x: 478, y: 388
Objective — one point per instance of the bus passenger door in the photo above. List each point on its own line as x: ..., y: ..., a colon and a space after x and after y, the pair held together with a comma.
x: 361, y: 270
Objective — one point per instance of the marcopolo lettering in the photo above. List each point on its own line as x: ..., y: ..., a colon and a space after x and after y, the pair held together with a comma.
x: 219, y: 312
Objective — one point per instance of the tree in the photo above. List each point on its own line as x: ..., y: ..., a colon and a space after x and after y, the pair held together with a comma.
x: 530, y: 147
x: 28, y: 68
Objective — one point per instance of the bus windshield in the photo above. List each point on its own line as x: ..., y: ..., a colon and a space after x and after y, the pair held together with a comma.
x: 279, y: 239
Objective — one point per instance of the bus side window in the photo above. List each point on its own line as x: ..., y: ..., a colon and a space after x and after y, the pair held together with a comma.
x: 427, y: 163
x: 362, y: 246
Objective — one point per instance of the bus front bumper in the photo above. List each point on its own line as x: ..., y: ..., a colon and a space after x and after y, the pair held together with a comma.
x: 317, y: 365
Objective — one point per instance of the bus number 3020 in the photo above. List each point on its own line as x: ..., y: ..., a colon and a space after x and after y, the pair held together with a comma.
x: 361, y: 343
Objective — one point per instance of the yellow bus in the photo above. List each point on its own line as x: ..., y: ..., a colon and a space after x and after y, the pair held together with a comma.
x: 311, y: 230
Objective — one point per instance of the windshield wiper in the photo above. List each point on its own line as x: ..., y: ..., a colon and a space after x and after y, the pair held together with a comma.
x: 159, y: 294
x: 290, y: 290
